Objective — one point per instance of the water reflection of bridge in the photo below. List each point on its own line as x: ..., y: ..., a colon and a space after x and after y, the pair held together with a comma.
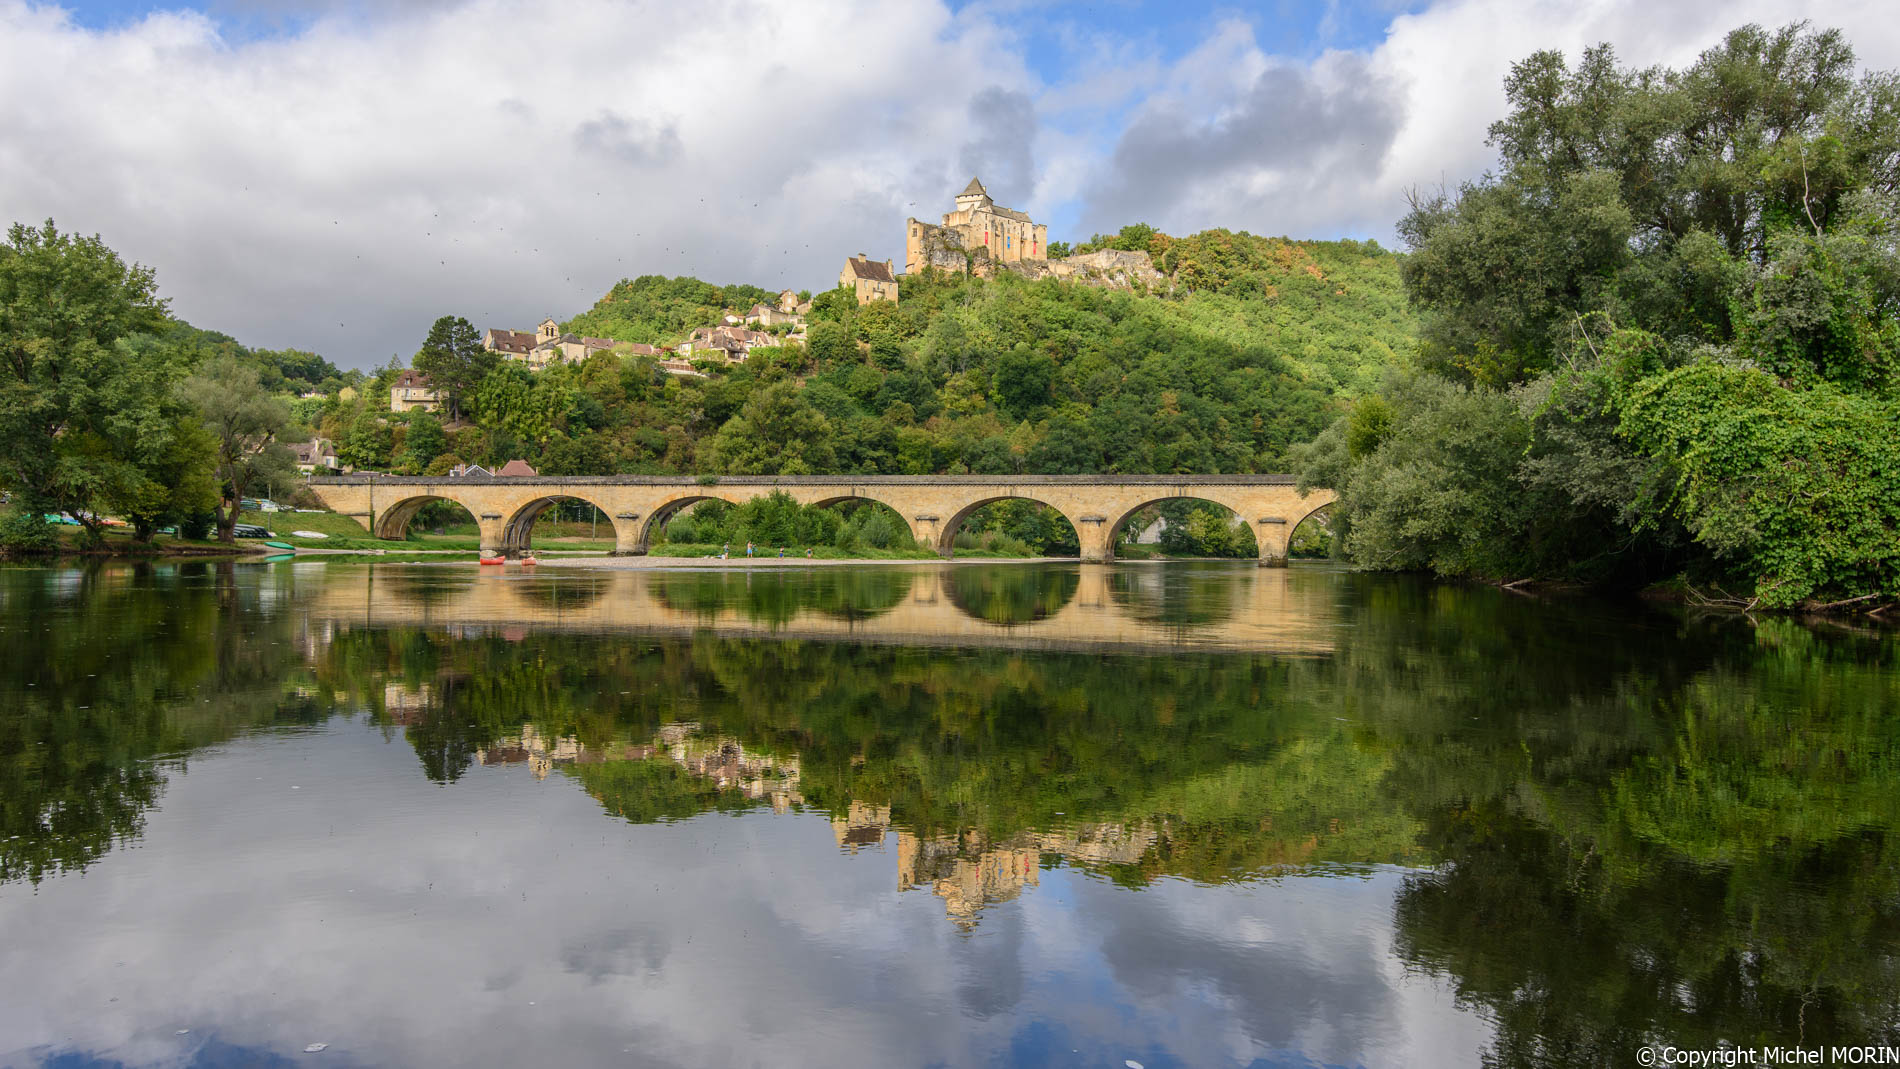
x: 1136, y: 607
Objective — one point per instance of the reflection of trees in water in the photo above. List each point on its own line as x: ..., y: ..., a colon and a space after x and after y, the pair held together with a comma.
x: 1178, y: 595
x: 859, y: 593
x: 1641, y: 825
x: 1579, y: 966
x: 563, y: 591
x: 778, y: 595
x: 111, y: 670
x: 1010, y: 594
x: 648, y: 790
x: 420, y: 585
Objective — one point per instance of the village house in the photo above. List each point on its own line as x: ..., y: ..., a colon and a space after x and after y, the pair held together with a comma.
x: 787, y: 310
x: 732, y: 343
x: 313, y: 454
x: 678, y: 366
x: 869, y: 279
x: 412, y: 390
x: 978, y: 229
x: 547, y: 345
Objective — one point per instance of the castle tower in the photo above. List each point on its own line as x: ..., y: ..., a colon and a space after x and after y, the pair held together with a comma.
x: 973, y: 196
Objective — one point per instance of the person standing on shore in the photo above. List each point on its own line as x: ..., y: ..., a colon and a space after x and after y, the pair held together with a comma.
x: 748, y: 550
x: 725, y: 551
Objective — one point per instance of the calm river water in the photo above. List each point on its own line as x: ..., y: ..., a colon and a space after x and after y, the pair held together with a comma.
x: 927, y: 815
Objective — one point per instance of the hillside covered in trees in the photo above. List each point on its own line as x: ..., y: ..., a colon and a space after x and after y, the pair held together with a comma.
x: 1247, y: 354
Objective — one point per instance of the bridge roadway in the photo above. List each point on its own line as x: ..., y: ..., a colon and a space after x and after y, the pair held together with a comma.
x: 1125, y: 608
x: 935, y: 506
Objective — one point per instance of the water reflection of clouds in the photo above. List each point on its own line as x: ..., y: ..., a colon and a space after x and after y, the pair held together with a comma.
x: 505, y: 920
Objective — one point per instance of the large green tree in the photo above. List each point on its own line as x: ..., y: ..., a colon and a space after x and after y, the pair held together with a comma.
x: 453, y: 358
x: 71, y: 398
x: 245, y: 422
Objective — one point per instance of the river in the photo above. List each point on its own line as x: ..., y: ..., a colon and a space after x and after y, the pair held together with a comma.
x: 975, y: 814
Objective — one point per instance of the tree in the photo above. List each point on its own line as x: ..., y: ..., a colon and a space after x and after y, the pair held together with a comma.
x: 177, y: 478
x: 777, y: 433
x: 66, y: 390
x: 1022, y: 381
x: 423, y: 443
x: 453, y: 358
x: 245, y: 422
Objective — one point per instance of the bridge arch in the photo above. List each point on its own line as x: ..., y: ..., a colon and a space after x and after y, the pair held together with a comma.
x: 517, y: 530
x: 1294, y: 530
x: 1114, y: 530
x: 645, y: 527
x: 392, y: 523
x: 945, y: 541
x: 1272, y: 524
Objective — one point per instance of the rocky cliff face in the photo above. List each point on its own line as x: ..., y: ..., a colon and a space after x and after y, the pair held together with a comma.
x: 1109, y: 268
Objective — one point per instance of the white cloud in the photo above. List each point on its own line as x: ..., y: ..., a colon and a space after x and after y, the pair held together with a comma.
x: 1279, y: 147
x: 339, y: 185
x: 339, y: 188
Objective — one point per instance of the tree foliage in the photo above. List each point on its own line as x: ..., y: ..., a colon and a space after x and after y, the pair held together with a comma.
x: 245, y: 423
x: 1662, y: 339
x: 73, y: 400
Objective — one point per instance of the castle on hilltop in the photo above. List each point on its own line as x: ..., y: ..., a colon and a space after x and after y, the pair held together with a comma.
x: 978, y: 230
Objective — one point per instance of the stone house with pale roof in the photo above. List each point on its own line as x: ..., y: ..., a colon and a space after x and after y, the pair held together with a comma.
x: 870, y: 279
x: 411, y: 390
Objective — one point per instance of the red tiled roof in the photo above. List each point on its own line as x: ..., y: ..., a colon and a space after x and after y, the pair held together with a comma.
x: 517, y: 467
x: 412, y: 377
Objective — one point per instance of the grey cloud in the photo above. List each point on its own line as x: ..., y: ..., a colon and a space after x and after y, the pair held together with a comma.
x: 1001, y: 151
x: 632, y: 140
x: 1287, y: 122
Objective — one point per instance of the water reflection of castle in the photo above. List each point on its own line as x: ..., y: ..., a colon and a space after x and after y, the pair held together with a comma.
x: 970, y: 871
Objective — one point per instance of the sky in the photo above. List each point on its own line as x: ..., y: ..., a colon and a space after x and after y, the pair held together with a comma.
x: 333, y: 175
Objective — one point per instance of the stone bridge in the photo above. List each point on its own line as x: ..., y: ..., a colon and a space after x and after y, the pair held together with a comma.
x: 934, y: 506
